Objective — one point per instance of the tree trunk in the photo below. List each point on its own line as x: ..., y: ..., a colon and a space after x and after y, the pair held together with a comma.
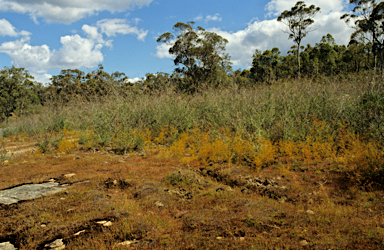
x: 298, y: 60
x: 374, y: 68
x: 381, y: 63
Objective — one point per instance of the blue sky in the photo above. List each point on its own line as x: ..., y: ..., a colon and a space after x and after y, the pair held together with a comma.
x: 46, y: 36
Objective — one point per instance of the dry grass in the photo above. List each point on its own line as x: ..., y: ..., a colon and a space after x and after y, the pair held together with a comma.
x: 288, y: 166
x: 170, y: 203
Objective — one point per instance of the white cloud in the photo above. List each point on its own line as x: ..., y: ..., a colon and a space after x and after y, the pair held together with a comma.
x: 208, y: 18
x: 75, y: 52
x: 134, y: 80
x: 276, y: 7
x: 111, y: 27
x: 7, y: 29
x: 137, y: 20
x: 215, y: 17
x: 263, y: 35
x: 93, y: 33
x: 43, y: 78
x: 162, y: 51
x: 67, y: 11
x: 198, y: 18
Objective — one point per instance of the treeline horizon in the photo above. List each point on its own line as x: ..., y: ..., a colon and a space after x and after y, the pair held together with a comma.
x: 324, y: 60
x: 201, y: 63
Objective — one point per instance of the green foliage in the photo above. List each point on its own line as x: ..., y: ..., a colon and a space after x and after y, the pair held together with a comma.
x: 4, y: 156
x: 125, y: 141
x: 199, y: 55
x: 324, y: 59
x: 74, y: 84
x: 367, y: 19
x: 265, y: 65
x: 298, y: 20
x: 370, y: 116
x: 44, y: 144
x: 17, y: 91
x: 155, y: 83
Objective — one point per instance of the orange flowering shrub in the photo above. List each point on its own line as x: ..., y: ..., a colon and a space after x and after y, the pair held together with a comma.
x: 353, y: 154
x: 66, y: 146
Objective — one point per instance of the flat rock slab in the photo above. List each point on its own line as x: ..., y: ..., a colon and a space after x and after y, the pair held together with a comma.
x: 7, y: 246
x: 29, y: 192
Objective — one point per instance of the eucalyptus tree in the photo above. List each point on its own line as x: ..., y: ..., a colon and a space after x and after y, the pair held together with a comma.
x: 298, y: 20
x: 73, y: 84
x: 265, y: 65
x: 16, y: 90
x: 327, y: 55
x: 199, y: 54
x: 367, y: 18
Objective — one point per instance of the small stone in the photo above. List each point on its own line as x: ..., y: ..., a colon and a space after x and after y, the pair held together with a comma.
x: 310, y: 212
x: 304, y: 243
x: 56, y: 245
x: 159, y: 204
x: 283, y: 199
x: 69, y: 175
x: 115, y: 182
x: 43, y: 225
x: 62, y: 198
x: 242, y: 238
x: 78, y: 233
x: 7, y: 246
x: 127, y: 243
x: 108, y: 224
x: 219, y: 238
x: 181, y: 214
x: 101, y: 222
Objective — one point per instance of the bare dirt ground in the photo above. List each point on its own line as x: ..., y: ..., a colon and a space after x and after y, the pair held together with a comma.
x: 143, y: 202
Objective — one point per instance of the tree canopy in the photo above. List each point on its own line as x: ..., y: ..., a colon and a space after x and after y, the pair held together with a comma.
x: 16, y: 91
x: 199, y: 54
x: 298, y: 20
x: 367, y: 19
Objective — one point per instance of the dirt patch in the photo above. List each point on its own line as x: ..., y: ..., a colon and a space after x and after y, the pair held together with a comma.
x: 146, y: 189
x: 186, y: 178
x: 111, y: 183
x: 157, y: 205
x: 274, y: 188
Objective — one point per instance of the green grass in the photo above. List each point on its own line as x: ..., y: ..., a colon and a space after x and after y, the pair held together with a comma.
x: 281, y: 111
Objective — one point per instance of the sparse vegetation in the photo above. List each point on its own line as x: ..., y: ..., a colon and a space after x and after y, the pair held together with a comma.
x: 204, y: 158
x: 286, y: 165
